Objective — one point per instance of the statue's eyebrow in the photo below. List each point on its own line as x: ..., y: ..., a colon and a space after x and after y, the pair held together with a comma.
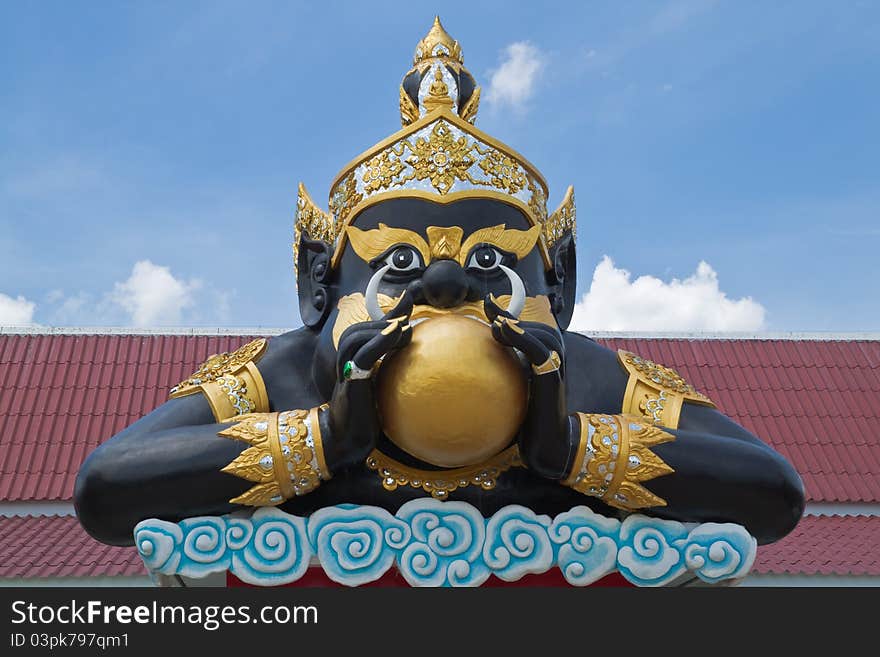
x: 370, y: 244
x: 518, y: 242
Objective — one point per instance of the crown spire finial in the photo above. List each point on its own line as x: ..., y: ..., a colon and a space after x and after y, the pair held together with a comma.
x: 438, y: 79
x: 437, y: 43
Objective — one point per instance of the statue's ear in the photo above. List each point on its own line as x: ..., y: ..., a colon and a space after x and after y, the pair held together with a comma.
x: 313, y: 276
x: 313, y: 250
x: 563, y: 279
x: 562, y: 275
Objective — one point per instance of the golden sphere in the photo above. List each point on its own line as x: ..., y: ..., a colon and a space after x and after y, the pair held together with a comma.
x: 454, y: 396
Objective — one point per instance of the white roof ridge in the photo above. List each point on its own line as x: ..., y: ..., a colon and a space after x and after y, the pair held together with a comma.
x: 826, y: 336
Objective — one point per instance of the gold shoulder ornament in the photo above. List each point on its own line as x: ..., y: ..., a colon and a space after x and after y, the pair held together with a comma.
x: 656, y: 393
x: 285, y: 457
x: 230, y: 381
x: 614, y: 455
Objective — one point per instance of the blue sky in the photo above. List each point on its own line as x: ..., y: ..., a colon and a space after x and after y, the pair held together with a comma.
x: 742, y: 135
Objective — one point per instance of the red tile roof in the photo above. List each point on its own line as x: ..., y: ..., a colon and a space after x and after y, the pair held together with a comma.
x: 57, y: 546
x: 825, y: 545
x: 62, y: 395
x: 817, y: 402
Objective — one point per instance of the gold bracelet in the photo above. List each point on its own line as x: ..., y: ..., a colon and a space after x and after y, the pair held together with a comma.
x: 284, y: 458
x: 614, y: 456
x: 314, y: 426
x: 553, y: 363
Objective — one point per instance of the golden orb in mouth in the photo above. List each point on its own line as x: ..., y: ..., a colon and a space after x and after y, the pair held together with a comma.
x: 453, y: 397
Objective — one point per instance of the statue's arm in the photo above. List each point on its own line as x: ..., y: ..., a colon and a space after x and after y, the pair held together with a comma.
x: 684, y: 475
x: 169, y: 464
x: 179, y: 462
x: 678, y: 458
x: 167, y: 461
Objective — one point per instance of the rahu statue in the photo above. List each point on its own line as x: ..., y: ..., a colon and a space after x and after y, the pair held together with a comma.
x: 434, y: 374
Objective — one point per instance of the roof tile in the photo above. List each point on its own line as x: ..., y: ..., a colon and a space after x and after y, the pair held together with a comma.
x: 57, y: 546
x: 838, y: 545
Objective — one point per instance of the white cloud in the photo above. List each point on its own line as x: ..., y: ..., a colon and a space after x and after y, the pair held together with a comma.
x: 54, y: 296
x: 513, y: 83
x: 16, y: 312
x: 153, y: 296
x: 79, y: 309
x: 617, y: 303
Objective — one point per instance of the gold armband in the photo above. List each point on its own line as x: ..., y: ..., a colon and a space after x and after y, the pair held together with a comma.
x: 230, y: 381
x: 613, y: 456
x: 285, y: 457
x: 654, y: 392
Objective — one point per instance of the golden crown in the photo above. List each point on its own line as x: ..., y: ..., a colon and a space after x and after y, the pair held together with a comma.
x: 438, y: 155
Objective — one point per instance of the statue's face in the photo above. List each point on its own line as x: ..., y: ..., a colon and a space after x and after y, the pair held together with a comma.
x: 449, y: 256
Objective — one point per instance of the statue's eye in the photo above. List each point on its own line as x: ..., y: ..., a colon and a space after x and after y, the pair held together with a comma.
x: 485, y: 257
x: 403, y: 258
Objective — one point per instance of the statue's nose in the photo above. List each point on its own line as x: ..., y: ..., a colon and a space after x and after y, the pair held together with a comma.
x: 444, y: 284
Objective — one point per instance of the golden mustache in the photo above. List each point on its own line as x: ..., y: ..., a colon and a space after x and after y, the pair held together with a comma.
x: 353, y: 310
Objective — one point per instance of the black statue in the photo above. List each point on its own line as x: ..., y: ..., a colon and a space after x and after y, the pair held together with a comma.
x: 435, y: 360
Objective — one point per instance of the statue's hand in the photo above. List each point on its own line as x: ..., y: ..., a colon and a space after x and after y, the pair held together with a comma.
x: 535, y: 340
x: 545, y: 435
x: 365, y: 343
x: 354, y: 423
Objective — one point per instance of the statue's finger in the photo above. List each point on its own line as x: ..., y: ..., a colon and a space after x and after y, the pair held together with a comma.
x: 378, y: 346
x: 532, y: 347
x: 493, y: 310
x: 403, y: 307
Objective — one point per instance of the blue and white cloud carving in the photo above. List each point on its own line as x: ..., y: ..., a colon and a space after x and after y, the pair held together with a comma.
x: 434, y: 543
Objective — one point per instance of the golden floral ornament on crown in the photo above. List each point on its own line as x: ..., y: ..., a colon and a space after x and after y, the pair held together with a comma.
x: 437, y: 156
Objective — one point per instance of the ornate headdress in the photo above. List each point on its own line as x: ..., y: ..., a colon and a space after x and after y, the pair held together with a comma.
x: 438, y: 155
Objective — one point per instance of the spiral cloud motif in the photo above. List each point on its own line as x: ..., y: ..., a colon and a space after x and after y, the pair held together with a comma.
x: 649, y: 554
x: 204, y: 546
x: 351, y: 543
x: 444, y: 550
x: 278, y: 552
x: 239, y: 532
x: 518, y: 543
x: 157, y: 542
x: 717, y: 551
x: 588, y: 550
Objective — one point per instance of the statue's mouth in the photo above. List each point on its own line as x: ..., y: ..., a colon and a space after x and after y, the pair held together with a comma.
x: 353, y: 309
x: 472, y: 310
